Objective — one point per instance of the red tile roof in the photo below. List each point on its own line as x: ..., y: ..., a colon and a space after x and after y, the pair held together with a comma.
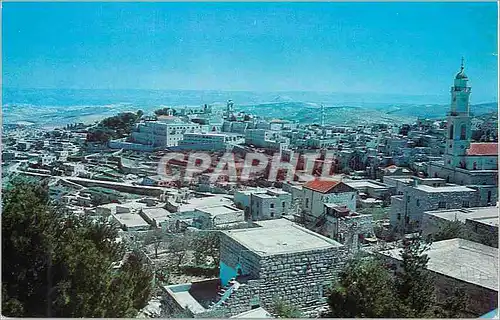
x: 483, y: 149
x: 322, y: 186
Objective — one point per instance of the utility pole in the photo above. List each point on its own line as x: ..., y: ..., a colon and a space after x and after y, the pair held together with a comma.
x: 322, y: 115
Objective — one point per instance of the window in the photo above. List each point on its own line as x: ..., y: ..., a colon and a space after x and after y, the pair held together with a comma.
x: 307, y: 202
x: 451, y: 132
x: 418, y: 203
x: 283, y: 204
x: 489, y: 196
x: 442, y: 205
x: 399, y: 216
x: 463, y: 132
x: 271, y: 205
x: 465, y: 204
x: 272, y: 214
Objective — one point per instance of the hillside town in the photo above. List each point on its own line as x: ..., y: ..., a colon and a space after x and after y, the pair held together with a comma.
x: 233, y: 211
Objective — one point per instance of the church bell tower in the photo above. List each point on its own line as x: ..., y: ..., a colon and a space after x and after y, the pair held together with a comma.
x: 458, y: 133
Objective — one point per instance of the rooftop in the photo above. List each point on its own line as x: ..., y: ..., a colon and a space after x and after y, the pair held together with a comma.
x: 452, y: 188
x: 195, y: 203
x: 486, y: 215
x: 218, y: 210
x: 156, y: 213
x: 279, y: 238
x: 365, y: 184
x: 483, y: 149
x: 322, y: 186
x: 130, y: 220
x: 258, y: 313
x: 461, y: 259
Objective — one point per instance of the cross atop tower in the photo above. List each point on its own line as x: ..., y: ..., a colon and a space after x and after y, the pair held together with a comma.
x: 462, y: 64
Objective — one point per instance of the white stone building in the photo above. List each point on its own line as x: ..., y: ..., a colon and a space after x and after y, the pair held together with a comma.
x: 481, y: 220
x: 426, y: 195
x: 210, y: 141
x: 263, y: 138
x: 318, y: 192
x: 166, y: 132
x: 263, y: 204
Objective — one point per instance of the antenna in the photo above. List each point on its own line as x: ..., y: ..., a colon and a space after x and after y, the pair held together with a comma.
x: 462, y: 64
x: 322, y: 115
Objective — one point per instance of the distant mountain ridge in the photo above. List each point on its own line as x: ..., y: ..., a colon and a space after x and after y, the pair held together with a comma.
x: 59, y: 107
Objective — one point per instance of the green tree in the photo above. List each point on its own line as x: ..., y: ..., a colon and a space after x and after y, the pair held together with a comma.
x: 455, y: 304
x: 60, y: 265
x: 115, y: 127
x: 165, y: 111
x: 281, y: 309
x: 414, y: 284
x: 457, y: 229
x: 206, y: 245
x: 155, y: 237
x: 448, y: 230
x: 364, y: 289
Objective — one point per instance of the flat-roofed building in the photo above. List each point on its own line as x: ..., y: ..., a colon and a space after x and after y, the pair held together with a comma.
x: 262, y: 203
x: 482, y: 221
x: 457, y: 263
x: 166, y: 132
x: 276, y: 259
x: 219, y: 216
x: 273, y: 259
x: 210, y: 140
x: 371, y: 188
x: 408, y: 208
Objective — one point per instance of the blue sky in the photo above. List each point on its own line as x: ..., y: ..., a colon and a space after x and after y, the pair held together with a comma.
x: 407, y: 48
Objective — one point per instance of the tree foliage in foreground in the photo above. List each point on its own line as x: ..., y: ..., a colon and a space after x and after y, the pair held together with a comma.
x: 365, y: 289
x: 282, y: 309
x: 59, y: 265
x: 368, y: 288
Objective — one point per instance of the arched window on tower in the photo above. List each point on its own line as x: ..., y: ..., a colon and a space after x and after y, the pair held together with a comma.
x: 451, y: 132
x: 463, y: 132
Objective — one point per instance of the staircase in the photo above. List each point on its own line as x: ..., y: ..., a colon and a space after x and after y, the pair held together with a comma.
x: 224, y: 293
x: 317, y: 222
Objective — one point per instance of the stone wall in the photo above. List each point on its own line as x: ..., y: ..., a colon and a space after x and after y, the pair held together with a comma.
x: 234, y: 255
x: 415, y: 202
x: 243, y: 299
x: 480, y: 299
x: 462, y: 176
x: 295, y: 278
x: 299, y: 278
x: 350, y: 228
x: 170, y: 306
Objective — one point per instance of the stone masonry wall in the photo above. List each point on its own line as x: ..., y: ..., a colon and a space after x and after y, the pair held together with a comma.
x: 243, y: 299
x: 295, y: 278
x: 233, y: 253
x: 299, y: 278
